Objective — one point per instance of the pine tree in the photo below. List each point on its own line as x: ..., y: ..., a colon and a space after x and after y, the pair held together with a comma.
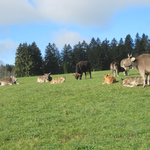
x: 129, y: 44
x: 28, y: 60
x: 113, y: 55
x: 105, y: 54
x: 51, y: 59
x: 137, y: 48
x: 144, y: 44
x: 66, y: 58
x: 22, y: 60
x: 37, y: 66
x: 121, y: 50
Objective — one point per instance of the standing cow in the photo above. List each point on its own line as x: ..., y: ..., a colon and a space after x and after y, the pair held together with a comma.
x: 45, y: 78
x: 9, y: 81
x: 126, y: 61
x: 142, y: 65
x: 81, y: 67
x: 116, y: 68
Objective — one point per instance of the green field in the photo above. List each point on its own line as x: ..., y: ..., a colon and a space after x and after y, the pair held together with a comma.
x: 75, y: 115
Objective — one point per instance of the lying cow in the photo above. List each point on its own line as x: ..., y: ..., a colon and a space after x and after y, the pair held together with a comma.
x: 58, y: 80
x: 108, y: 79
x: 9, y: 81
x: 132, y: 81
x: 81, y: 67
x: 45, y: 78
x: 116, y: 68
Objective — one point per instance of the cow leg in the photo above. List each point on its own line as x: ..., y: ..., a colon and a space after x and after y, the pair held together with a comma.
x: 117, y: 73
x: 143, y: 75
x: 147, y: 79
x: 81, y: 75
x: 85, y: 75
x: 90, y: 74
x: 114, y: 73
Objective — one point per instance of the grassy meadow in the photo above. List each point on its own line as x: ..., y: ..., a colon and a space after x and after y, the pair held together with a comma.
x: 75, y: 115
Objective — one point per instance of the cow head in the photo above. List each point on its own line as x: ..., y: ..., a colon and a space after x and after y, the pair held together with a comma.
x: 105, y: 76
x: 126, y: 62
x: 77, y: 75
x: 14, y: 79
x: 48, y: 76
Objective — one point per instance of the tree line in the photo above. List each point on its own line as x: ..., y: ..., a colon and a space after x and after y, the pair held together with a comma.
x: 6, y: 70
x: 29, y: 60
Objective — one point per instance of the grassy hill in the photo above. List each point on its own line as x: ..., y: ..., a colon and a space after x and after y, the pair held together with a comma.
x: 75, y: 115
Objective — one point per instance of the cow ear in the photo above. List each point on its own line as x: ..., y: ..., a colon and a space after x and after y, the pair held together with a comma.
x: 121, y: 79
x: 133, y: 59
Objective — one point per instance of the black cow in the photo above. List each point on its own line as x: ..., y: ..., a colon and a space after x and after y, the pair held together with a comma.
x: 81, y: 67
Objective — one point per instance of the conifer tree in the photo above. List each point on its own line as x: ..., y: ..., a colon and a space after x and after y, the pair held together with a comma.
x: 37, y: 66
x: 66, y: 58
x: 105, y: 54
x: 121, y: 50
x: 129, y: 44
x: 28, y: 60
x: 113, y: 55
x: 51, y: 59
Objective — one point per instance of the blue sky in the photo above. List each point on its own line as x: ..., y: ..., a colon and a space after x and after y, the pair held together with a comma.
x: 68, y: 22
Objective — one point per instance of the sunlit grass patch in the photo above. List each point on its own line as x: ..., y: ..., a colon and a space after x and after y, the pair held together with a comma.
x: 83, y: 114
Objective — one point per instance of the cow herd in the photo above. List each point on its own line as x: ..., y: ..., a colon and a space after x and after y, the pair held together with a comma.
x: 141, y: 64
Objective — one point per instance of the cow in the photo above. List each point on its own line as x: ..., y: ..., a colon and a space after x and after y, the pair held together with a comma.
x: 9, y: 81
x: 108, y: 79
x: 132, y: 81
x: 116, y: 68
x: 58, y: 80
x: 81, y: 67
x: 142, y: 65
x: 126, y: 61
x: 45, y: 78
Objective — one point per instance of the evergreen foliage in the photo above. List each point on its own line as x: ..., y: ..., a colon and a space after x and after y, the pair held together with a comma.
x: 28, y: 60
x: 51, y: 59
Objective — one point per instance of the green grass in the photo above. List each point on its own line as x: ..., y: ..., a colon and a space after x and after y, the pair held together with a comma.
x: 75, y: 115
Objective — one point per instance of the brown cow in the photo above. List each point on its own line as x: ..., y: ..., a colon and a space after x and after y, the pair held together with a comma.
x: 132, y: 81
x: 58, y: 80
x: 108, y: 79
x: 45, y: 78
x: 126, y: 61
x: 81, y: 67
x: 116, y: 68
x: 9, y: 81
x: 142, y: 65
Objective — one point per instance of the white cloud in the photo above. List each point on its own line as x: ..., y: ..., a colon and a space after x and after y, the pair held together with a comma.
x: 7, y: 46
x: 65, y: 36
x: 80, y: 12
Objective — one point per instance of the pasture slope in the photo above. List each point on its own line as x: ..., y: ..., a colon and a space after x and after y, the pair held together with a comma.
x: 75, y: 115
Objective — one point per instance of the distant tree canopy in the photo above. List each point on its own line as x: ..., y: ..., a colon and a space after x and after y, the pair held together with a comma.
x: 28, y: 60
x: 6, y: 70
